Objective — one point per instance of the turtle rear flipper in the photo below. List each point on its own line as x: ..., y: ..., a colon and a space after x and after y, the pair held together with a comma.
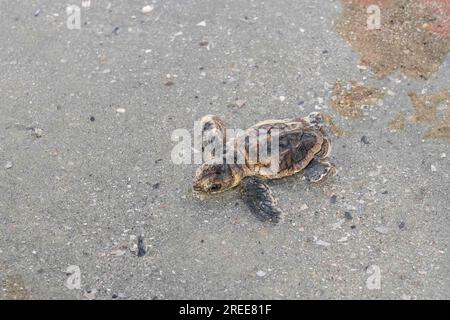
x: 259, y: 199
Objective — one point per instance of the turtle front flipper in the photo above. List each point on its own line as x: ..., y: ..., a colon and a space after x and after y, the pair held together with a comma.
x: 317, y: 170
x: 213, y: 136
x: 259, y: 199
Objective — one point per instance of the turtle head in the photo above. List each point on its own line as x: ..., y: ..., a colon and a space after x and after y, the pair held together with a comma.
x: 215, y: 178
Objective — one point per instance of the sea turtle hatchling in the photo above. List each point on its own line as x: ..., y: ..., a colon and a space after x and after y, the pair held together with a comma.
x: 303, y: 146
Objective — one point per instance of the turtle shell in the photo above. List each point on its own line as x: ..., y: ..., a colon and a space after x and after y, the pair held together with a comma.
x: 298, y: 141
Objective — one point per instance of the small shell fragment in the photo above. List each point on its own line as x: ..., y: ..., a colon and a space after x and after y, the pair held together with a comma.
x: 147, y: 9
x: 382, y: 229
x: 323, y: 243
x: 260, y: 273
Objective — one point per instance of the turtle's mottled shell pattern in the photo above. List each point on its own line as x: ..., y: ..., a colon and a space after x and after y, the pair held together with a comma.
x: 299, y: 142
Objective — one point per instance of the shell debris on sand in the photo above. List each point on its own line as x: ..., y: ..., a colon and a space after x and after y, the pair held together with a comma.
x: 147, y: 9
x: 37, y: 132
x: 382, y: 229
x: 398, y: 123
x: 338, y: 224
x: 303, y: 207
x: 350, y: 101
x: 14, y: 288
x: 240, y: 103
x: 425, y: 106
x: 322, y: 243
x: 260, y: 273
x: 420, y: 26
x: 441, y: 131
x: 90, y: 294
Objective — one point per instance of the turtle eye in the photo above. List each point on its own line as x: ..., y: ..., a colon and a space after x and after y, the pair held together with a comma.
x: 215, y: 187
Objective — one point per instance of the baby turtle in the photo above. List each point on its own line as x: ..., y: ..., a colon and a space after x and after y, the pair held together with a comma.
x: 303, y: 145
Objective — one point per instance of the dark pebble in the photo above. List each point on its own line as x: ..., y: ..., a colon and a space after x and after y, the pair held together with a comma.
x: 348, y: 215
x: 333, y: 199
x: 385, y: 192
x: 114, y: 296
x: 92, y: 119
x: 353, y: 226
x: 156, y: 185
x: 401, y: 225
x: 116, y: 31
x: 141, y: 247
x: 365, y: 140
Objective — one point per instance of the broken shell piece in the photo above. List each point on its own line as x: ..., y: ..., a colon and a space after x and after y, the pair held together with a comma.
x: 37, y: 132
x: 147, y: 9
x: 240, y: 103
